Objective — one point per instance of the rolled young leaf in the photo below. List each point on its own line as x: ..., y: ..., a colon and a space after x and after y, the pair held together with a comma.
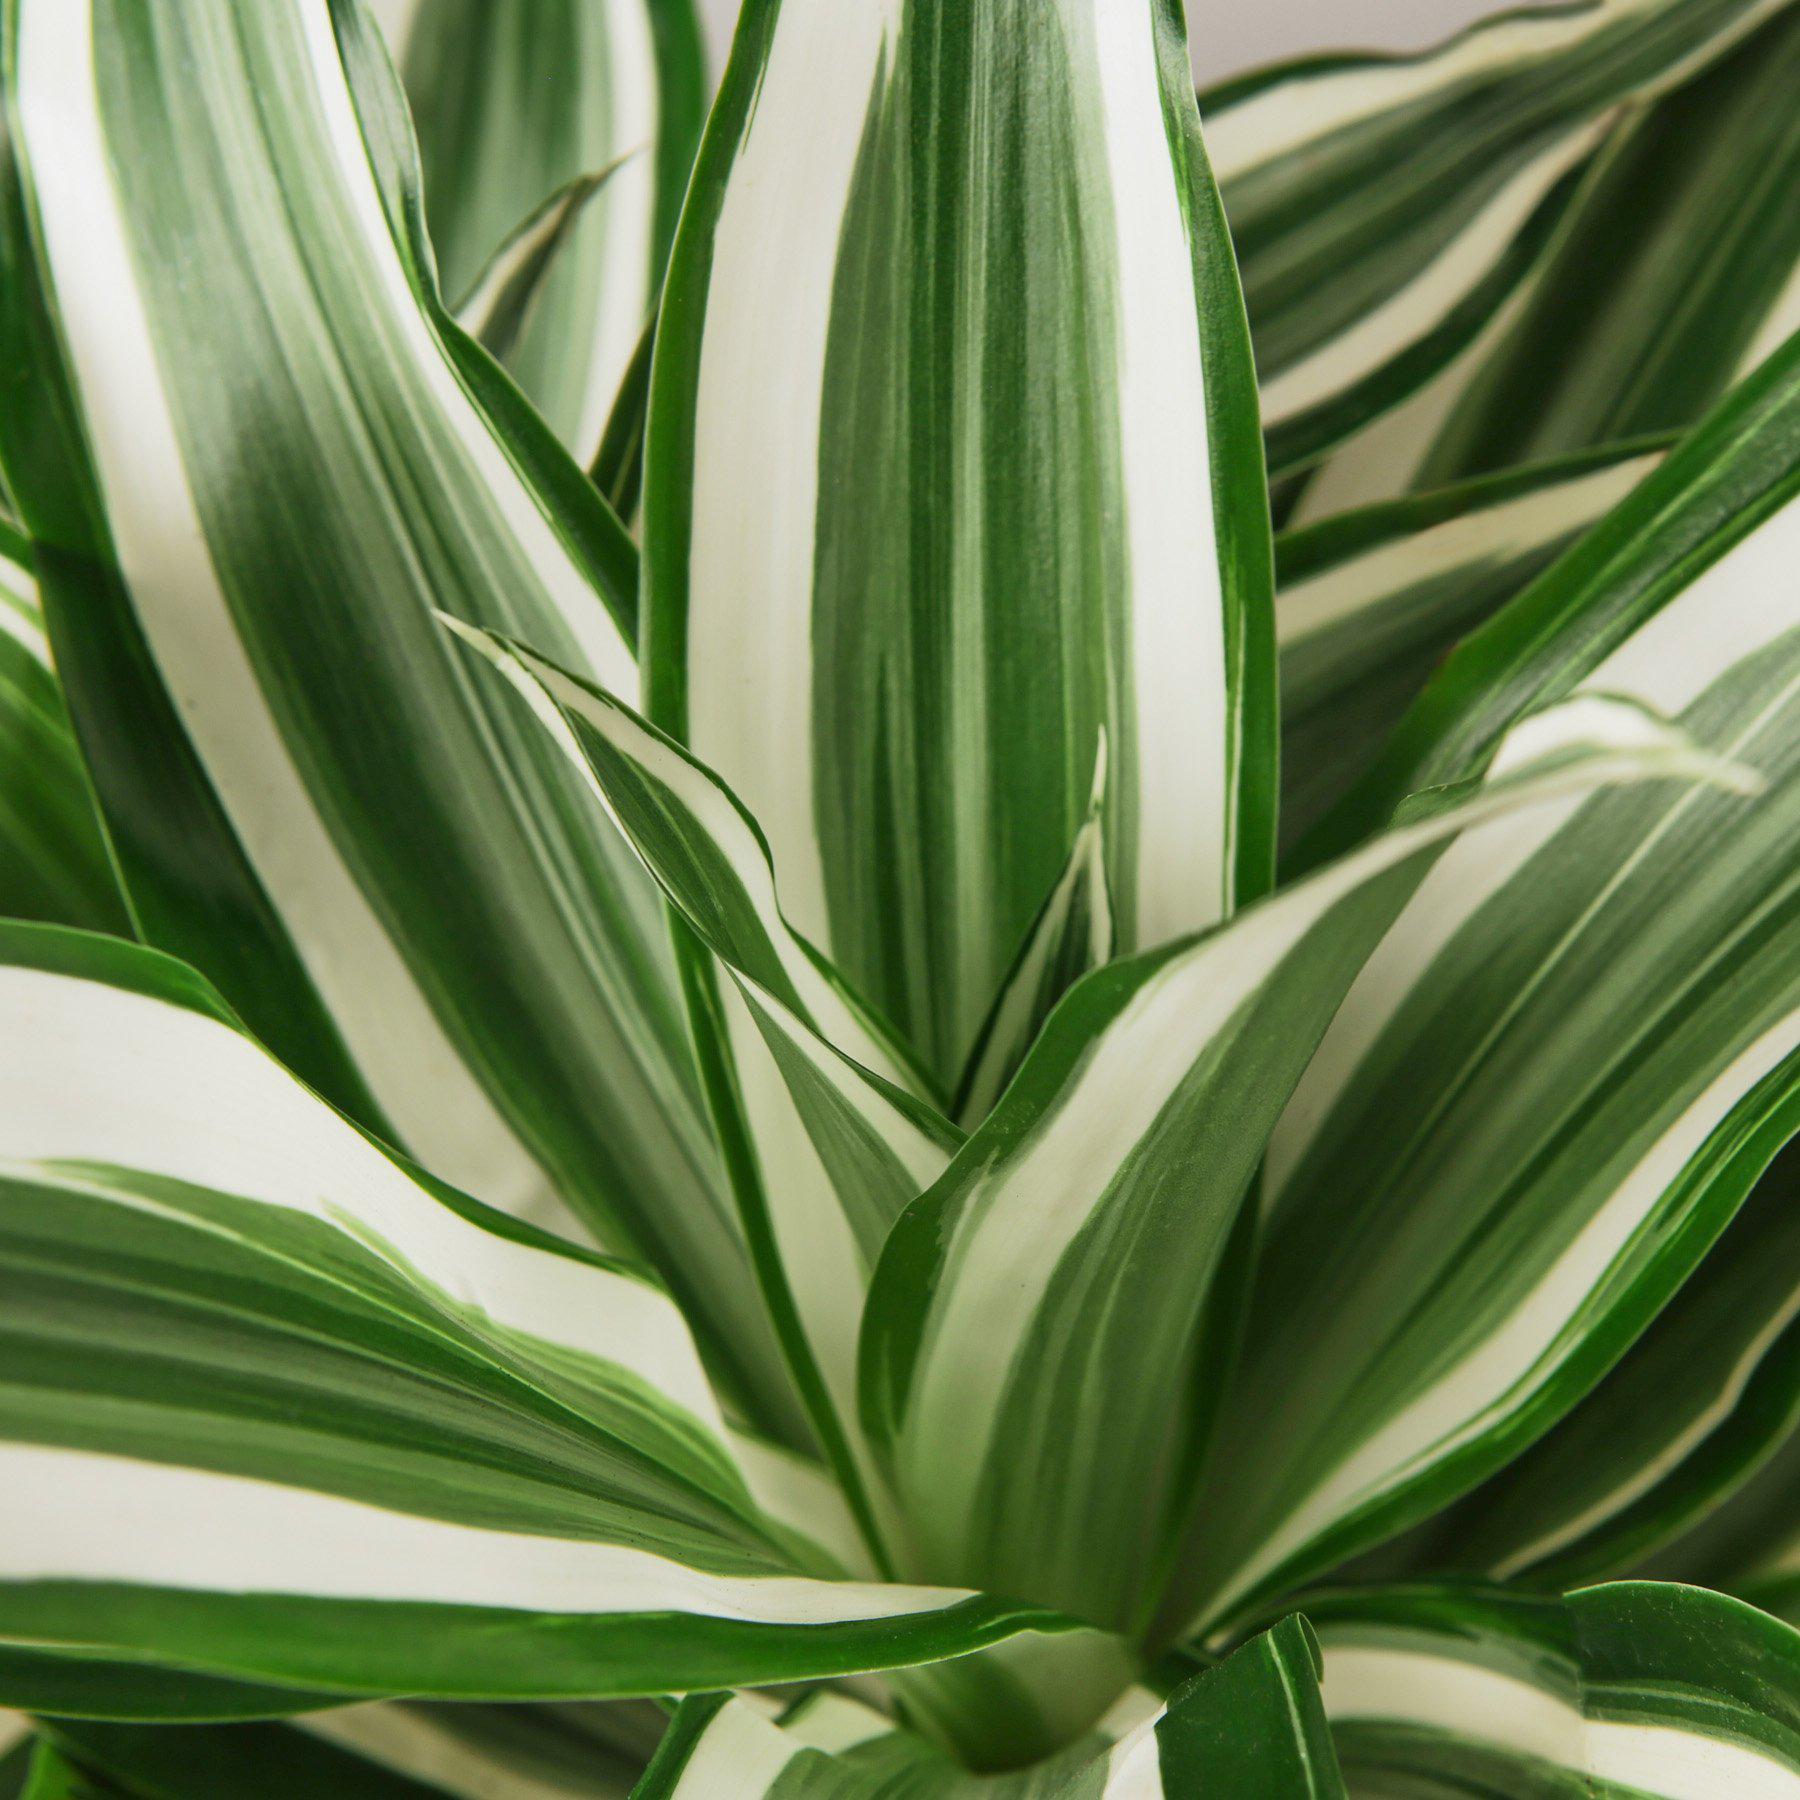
x: 1037, y: 1317
x: 1369, y: 602
x: 1384, y: 208
x: 54, y: 865
x: 1645, y: 1689
x: 953, y: 463
x: 1569, y: 1062
x: 512, y: 103
x: 211, y: 244
x: 436, y: 1452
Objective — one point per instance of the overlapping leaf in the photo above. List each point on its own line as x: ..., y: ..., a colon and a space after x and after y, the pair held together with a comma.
x: 1369, y: 602
x: 279, y: 1410
x: 1251, y: 1728
x: 256, y: 456
x: 1384, y: 209
x: 1038, y: 1319
x: 1672, y: 275
x: 1692, y: 219
x: 512, y: 103
x: 947, y: 475
x: 53, y: 864
x: 1555, y: 1081
x: 1655, y: 1691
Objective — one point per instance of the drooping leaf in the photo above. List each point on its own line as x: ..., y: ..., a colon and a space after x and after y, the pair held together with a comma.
x: 1570, y: 1060
x: 1251, y: 1728
x: 1672, y: 276
x: 1640, y: 1689
x: 512, y: 103
x: 280, y: 1410
x: 1369, y: 603
x: 53, y: 862
x: 1385, y: 208
x: 259, y: 457
x: 953, y: 464
x: 1035, y: 1322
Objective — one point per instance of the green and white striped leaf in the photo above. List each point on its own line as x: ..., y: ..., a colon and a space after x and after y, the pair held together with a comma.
x: 313, y: 796
x: 1672, y: 276
x: 953, y: 464
x: 1072, y: 935
x: 391, y: 1750
x: 1640, y: 1690
x: 1250, y: 1728
x: 1036, y: 1322
x: 1370, y: 602
x: 1570, y: 1060
x: 279, y: 1410
x: 836, y: 1145
x: 1385, y: 208
x: 511, y: 104
x: 53, y: 863
x: 1691, y: 218
x: 1697, y: 1408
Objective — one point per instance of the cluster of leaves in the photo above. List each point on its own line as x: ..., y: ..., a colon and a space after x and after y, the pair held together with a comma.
x: 751, y: 1056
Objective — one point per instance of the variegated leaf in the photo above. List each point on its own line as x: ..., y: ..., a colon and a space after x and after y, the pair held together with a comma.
x: 514, y: 102
x: 949, y: 471
x: 1639, y: 1690
x: 1370, y: 602
x: 260, y: 457
x: 1570, y: 1060
x: 280, y: 1410
x: 1385, y: 208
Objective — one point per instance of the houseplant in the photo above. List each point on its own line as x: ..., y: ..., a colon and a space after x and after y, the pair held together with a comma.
x: 1076, y: 1312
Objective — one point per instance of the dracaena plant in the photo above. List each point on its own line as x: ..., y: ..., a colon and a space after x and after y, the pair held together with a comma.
x: 743, y: 1056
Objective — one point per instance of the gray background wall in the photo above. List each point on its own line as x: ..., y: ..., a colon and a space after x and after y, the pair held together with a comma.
x: 1231, y: 34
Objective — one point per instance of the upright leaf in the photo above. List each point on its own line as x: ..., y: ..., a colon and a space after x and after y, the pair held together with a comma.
x: 1570, y: 1060
x: 1385, y: 208
x: 53, y: 863
x: 513, y: 102
x: 952, y: 465
x: 258, y: 457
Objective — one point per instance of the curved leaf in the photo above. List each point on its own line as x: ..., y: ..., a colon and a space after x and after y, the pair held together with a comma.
x: 1570, y: 1060
x: 1037, y: 1318
x: 1368, y: 603
x: 1640, y: 1689
x: 312, y: 796
x: 280, y: 1410
x: 1384, y: 208
x: 54, y: 864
